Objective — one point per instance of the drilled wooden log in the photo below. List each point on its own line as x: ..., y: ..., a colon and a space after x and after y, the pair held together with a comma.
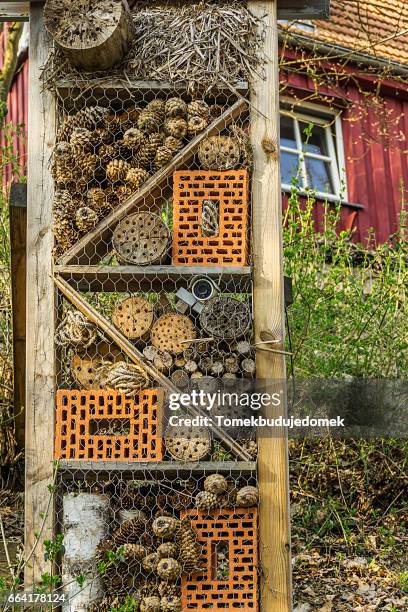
x: 180, y: 378
x: 163, y: 361
x: 188, y: 443
x: 133, y: 317
x: 85, y: 366
x: 150, y: 352
x: 141, y: 239
x: 242, y: 347
x: 173, y: 332
x: 191, y: 366
x: 248, y: 368
x: 231, y: 364
x: 225, y: 317
x: 93, y: 35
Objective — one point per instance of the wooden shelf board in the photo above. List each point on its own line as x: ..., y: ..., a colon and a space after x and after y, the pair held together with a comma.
x: 164, y: 468
x: 137, y: 278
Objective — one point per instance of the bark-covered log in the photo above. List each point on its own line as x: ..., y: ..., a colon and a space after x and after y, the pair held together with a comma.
x: 85, y: 524
x: 180, y: 378
x: 242, y: 347
x: 95, y: 39
x: 248, y: 368
x: 232, y: 363
x: 191, y: 366
x: 163, y: 361
x: 150, y: 352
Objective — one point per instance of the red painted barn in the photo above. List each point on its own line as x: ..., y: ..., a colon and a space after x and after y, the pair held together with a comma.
x: 348, y: 78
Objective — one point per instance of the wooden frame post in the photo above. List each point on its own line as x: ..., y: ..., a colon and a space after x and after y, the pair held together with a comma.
x: 40, y: 394
x: 273, y: 474
x: 18, y: 240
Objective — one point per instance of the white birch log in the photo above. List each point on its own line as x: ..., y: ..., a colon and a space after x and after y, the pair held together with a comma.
x: 85, y: 523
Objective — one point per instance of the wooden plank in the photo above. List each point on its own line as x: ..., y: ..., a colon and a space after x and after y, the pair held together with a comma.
x: 137, y: 357
x: 18, y: 248
x: 94, y: 469
x: 151, y: 278
x: 39, y: 510
x: 14, y: 11
x: 273, y: 476
x: 98, y: 240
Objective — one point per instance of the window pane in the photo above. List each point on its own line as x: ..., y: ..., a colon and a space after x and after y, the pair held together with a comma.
x: 319, y: 175
x: 316, y: 142
x: 287, y: 132
x: 289, y: 167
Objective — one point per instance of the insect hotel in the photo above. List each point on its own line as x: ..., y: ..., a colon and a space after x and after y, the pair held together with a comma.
x: 154, y: 267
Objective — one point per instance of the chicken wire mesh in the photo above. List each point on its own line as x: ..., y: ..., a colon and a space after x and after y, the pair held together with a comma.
x: 172, y: 542
x: 152, y: 261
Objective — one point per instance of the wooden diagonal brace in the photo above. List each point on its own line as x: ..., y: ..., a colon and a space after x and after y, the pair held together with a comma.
x: 98, y: 240
x: 137, y: 357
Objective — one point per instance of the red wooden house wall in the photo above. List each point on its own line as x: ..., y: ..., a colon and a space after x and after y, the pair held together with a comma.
x: 17, y: 104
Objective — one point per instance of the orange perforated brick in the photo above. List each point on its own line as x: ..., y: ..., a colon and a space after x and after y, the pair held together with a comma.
x: 229, y: 578
x: 109, y: 426
x: 227, y: 193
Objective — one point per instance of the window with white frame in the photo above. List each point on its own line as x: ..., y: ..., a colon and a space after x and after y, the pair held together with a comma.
x: 312, y: 151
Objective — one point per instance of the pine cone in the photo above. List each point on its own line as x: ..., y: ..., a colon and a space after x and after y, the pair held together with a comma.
x: 63, y: 152
x: 149, y: 121
x: 81, y: 141
x: 228, y: 499
x: 216, y: 110
x: 93, y: 116
x: 65, y: 235
x: 96, y: 199
x: 141, y: 159
x: 176, y: 128
x: 215, y: 483
x: 163, y: 157
x: 250, y: 446
x: 199, y: 108
x: 169, y: 589
x: 117, y: 170
x: 102, y: 136
x: 123, y: 192
x: 136, y: 177
x: 63, y: 175
x: 150, y: 604
x: 175, y: 107
x: 107, y: 152
x: 148, y: 589
x: 112, y: 197
x: 129, y: 532
x: 150, y: 562
x: 165, y: 526
x: 169, y: 569
x: 247, y: 497
x: 86, y: 166
x: 64, y: 204
x: 167, y: 549
x: 133, y: 138
x: 85, y: 219
x: 114, y: 126
x: 189, y: 549
x: 156, y: 106
x: 196, y: 125
x: 134, y: 552
x: 171, y: 603
x: 206, y: 501
x: 174, y: 144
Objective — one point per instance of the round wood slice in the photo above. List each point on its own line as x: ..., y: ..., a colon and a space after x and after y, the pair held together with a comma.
x: 141, y: 239
x: 171, y: 332
x: 84, y: 365
x: 225, y: 317
x: 134, y: 317
x: 93, y: 35
x: 188, y: 443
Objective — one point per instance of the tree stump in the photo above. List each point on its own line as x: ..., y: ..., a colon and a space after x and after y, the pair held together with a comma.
x: 172, y: 333
x: 93, y: 35
x: 133, y: 317
x: 225, y: 317
x: 141, y: 239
